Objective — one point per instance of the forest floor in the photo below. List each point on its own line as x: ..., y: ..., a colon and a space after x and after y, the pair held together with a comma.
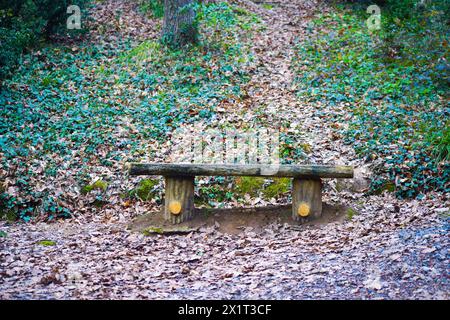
x: 384, y: 248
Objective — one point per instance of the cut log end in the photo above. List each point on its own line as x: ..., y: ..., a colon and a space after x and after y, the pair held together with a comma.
x: 303, y: 210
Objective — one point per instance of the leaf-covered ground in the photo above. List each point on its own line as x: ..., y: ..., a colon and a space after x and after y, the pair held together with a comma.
x: 392, y: 86
x: 78, y: 111
x: 385, y: 252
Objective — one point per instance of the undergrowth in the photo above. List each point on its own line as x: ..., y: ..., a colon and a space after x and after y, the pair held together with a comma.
x: 393, y: 83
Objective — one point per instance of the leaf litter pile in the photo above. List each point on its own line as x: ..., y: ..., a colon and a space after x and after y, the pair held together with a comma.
x: 383, y: 247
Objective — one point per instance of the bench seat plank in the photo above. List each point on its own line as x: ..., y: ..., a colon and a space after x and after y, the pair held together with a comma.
x: 285, y: 170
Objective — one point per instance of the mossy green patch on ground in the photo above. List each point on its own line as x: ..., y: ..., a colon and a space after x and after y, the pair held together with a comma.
x: 152, y: 230
x: 46, y: 243
x: 277, y: 187
x: 3, y: 234
x: 393, y: 84
x: 167, y: 230
x: 267, y: 6
x: 219, y: 190
x: 350, y: 213
x: 97, y: 185
x: 102, y: 102
x: 306, y: 147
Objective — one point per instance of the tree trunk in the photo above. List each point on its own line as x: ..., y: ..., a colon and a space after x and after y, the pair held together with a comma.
x: 179, y: 27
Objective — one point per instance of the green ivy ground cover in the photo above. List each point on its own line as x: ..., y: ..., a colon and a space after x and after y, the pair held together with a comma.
x: 392, y: 82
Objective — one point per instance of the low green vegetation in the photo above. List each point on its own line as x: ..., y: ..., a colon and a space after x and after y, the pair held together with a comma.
x: 277, y: 187
x: 7, y: 215
x: 46, y: 243
x: 248, y: 185
x: 392, y: 84
x: 218, y: 190
x: 153, y: 7
x: 350, y: 213
x: 268, y: 188
x: 267, y: 6
x: 293, y: 148
x: 152, y: 230
x: 70, y: 109
x: 24, y: 24
x: 213, y: 191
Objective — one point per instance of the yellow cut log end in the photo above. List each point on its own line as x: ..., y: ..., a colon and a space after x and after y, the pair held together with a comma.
x: 175, y: 207
x: 303, y: 210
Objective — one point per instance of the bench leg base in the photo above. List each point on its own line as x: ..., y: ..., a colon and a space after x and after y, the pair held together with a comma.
x: 179, y: 199
x: 306, y: 199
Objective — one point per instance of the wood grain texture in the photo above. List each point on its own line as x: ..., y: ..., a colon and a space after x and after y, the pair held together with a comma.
x: 179, y: 22
x: 187, y: 169
x: 179, y: 198
x: 306, y: 199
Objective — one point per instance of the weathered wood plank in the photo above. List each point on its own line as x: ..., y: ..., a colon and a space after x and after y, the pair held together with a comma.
x: 187, y: 169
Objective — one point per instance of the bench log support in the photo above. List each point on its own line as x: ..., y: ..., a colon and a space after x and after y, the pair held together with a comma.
x: 306, y: 198
x: 179, y: 199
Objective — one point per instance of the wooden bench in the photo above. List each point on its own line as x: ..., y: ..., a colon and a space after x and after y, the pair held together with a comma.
x: 179, y: 182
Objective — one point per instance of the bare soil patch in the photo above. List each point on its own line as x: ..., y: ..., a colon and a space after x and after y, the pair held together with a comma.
x: 235, y: 220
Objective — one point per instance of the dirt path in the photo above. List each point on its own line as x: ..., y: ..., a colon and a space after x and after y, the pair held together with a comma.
x: 391, y: 249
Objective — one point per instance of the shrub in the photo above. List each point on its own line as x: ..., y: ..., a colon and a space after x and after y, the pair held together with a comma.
x: 439, y: 140
x: 23, y: 23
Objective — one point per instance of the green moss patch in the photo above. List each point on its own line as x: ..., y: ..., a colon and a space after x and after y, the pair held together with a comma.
x: 350, y: 213
x: 46, y: 243
x: 248, y: 185
x: 167, y: 230
x: 392, y: 84
x: 146, y: 189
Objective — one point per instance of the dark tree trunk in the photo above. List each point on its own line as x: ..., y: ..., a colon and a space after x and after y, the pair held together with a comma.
x: 179, y: 27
